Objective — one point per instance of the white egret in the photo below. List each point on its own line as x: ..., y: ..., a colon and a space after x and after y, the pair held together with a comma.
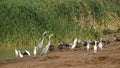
x: 28, y: 53
x: 41, y: 43
x: 100, y: 45
x: 16, y: 52
x: 95, y: 47
x: 44, y: 51
x: 88, y: 46
x: 20, y: 54
x: 74, y: 43
x: 34, y: 52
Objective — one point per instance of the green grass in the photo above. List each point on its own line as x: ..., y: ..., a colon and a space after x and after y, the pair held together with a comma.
x: 22, y: 22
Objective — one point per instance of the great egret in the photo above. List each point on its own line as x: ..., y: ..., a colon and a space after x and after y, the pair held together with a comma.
x: 26, y: 53
x: 88, y: 46
x: 34, y: 52
x: 44, y: 51
x: 95, y: 47
x: 20, y: 54
x: 41, y: 43
x: 74, y: 44
x: 100, y: 45
x: 16, y: 52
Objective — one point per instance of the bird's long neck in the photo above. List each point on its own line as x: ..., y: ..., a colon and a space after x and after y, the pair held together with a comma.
x: 88, y: 43
x: 49, y: 42
x: 19, y: 52
x: 35, y: 48
x: 95, y: 43
x: 43, y: 38
x: 75, y: 41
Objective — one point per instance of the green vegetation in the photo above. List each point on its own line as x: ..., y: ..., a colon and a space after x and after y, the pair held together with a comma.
x: 22, y: 22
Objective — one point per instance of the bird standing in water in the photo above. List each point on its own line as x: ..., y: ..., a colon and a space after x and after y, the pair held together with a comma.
x: 16, y: 52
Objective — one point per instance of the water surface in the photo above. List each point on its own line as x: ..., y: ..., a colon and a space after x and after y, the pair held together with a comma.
x: 9, y: 52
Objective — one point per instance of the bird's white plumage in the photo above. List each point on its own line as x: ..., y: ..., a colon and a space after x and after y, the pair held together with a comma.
x: 74, y: 43
x: 41, y: 43
x: 100, y: 45
x: 35, y: 51
x: 88, y: 46
x: 20, y: 54
x: 16, y: 52
x: 95, y: 47
x: 27, y: 52
x: 44, y: 51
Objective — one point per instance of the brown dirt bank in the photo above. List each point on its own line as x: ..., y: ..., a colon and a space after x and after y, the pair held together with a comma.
x: 109, y: 57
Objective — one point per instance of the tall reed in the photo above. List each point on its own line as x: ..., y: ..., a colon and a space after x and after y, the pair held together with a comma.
x: 22, y: 22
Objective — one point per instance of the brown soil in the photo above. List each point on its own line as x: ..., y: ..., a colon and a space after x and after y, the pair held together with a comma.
x: 109, y: 57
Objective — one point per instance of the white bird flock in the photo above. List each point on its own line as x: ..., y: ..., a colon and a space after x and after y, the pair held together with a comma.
x: 18, y: 53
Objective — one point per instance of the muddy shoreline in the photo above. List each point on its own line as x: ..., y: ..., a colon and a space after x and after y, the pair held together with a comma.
x: 109, y: 57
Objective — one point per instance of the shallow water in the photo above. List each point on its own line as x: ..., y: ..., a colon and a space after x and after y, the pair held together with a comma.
x: 9, y: 53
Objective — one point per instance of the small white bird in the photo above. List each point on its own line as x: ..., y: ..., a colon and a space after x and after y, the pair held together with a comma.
x: 88, y: 46
x: 95, y: 47
x: 34, y: 52
x: 20, y: 54
x: 100, y: 45
x: 44, y: 51
x: 41, y: 43
x: 74, y: 43
x: 16, y: 52
x: 27, y: 52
